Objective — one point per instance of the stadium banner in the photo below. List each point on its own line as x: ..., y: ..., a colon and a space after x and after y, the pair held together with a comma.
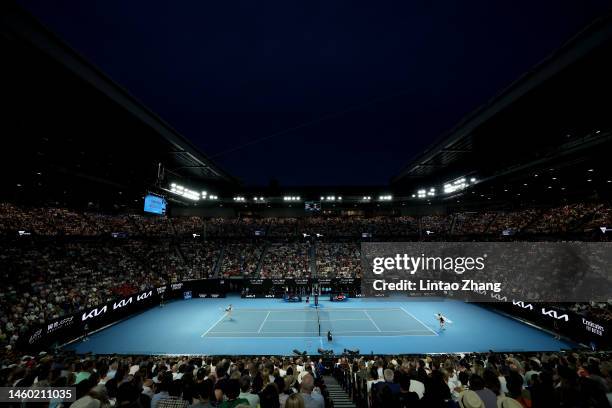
x: 268, y: 282
x: 530, y: 271
x: 561, y: 320
x: 257, y: 295
x: 63, y: 329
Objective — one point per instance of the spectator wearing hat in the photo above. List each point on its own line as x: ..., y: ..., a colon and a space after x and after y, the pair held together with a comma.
x: 477, y: 385
x: 469, y: 399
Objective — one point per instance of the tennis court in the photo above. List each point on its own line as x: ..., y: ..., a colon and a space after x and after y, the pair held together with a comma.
x: 265, y: 326
x: 305, y: 323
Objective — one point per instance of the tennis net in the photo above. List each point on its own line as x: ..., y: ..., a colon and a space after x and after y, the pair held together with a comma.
x: 318, y: 320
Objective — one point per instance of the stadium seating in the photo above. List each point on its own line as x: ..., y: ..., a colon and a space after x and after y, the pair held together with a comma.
x: 514, y: 380
x: 71, y: 261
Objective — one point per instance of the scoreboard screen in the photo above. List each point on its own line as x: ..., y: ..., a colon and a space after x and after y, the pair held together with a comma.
x: 155, y: 204
x: 312, y: 206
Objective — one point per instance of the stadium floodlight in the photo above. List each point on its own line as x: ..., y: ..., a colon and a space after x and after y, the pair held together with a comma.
x: 591, y: 170
x: 184, y: 192
x: 340, y: 198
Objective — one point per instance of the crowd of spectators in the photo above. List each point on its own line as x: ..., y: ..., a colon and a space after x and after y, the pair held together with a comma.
x: 71, y: 262
x: 562, y: 219
x: 482, y: 380
x: 473, y: 222
x: 341, y: 260
x: 489, y: 380
x: 241, y: 259
x: 44, y: 282
x: 172, y: 382
x: 201, y: 258
x: 283, y: 228
x: 514, y: 221
x: 242, y: 227
x: 53, y: 221
x: 436, y: 224
x: 289, y: 260
x: 600, y: 218
x: 354, y: 227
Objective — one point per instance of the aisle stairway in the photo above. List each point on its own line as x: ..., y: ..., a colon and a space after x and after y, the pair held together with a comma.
x: 337, y: 394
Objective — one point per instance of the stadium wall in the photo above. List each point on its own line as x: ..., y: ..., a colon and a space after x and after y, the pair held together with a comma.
x: 64, y: 329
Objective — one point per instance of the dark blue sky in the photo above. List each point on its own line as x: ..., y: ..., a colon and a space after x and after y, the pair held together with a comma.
x: 387, y: 77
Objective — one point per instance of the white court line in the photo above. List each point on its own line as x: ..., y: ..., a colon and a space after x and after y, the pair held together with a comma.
x: 375, y: 325
x: 312, y: 320
x: 216, y: 323
x: 318, y: 337
x: 407, y: 332
x: 264, y: 322
x: 411, y: 315
x: 235, y: 310
x: 311, y: 331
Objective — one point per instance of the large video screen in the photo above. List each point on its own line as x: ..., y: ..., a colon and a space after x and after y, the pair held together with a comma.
x: 155, y: 204
x: 312, y: 206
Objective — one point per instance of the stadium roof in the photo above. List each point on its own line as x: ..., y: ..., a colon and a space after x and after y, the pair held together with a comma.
x: 562, y: 101
x: 66, y: 116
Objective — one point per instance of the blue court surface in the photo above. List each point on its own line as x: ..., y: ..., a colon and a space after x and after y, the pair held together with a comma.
x: 271, y: 326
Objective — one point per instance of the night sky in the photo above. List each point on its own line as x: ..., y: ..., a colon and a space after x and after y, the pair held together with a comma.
x: 314, y: 92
